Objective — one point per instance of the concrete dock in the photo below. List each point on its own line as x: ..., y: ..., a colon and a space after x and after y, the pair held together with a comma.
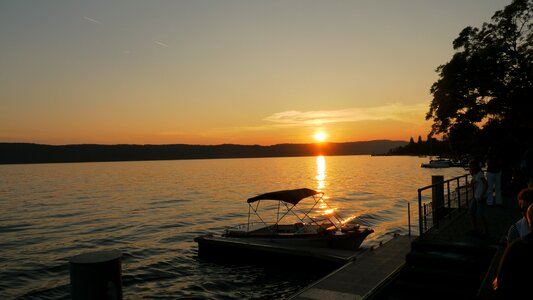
x: 446, y: 263
x: 362, y: 276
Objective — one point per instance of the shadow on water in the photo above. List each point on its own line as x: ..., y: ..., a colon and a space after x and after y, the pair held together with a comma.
x: 215, y: 278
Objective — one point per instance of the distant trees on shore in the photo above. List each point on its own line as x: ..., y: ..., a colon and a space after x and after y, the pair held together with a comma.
x: 431, y: 146
x: 20, y: 153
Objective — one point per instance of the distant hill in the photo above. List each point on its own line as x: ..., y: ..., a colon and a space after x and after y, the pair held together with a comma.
x: 24, y: 153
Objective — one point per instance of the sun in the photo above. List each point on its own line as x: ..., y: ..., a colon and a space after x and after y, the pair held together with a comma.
x: 320, y: 136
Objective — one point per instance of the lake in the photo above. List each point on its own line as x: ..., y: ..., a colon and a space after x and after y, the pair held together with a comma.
x: 152, y: 210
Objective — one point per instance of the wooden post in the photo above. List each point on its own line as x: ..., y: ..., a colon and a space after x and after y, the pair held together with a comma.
x: 96, y: 275
x: 437, y: 198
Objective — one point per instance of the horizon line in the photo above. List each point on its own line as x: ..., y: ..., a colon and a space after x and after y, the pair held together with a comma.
x: 220, y: 144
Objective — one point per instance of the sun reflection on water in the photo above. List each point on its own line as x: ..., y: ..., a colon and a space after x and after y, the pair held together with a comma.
x: 320, y: 172
x: 323, y: 208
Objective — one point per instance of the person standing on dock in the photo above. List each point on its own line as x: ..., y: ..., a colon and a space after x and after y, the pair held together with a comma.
x: 478, y: 205
x: 513, y: 280
x: 526, y: 166
x: 520, y: 228
x: 494, y: 177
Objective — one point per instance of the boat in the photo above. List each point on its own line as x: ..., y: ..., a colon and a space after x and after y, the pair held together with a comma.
x: 294, y: 228
x: 438, y: 163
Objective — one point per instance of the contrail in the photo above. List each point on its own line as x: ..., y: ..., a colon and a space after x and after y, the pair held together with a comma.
x: 161, y: 44
x: 92, y: 20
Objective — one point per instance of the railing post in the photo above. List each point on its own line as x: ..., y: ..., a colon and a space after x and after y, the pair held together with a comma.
x: 458, y: 193
x: 467, y: 190
x: 425, y: 220
x: 421, y: 216
x: 449, y: 200
x: 437, y: 198
x: 409, y: 216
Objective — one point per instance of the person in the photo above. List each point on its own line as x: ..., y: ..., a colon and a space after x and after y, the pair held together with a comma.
x: 526, y: 166
x: 494, y: 177
x: 478, y: 204
x: 518, y: 181
x: 513, y: 277
x: 520, y: 228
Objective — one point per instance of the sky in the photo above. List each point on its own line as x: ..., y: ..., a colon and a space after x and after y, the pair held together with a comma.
x: 224, y: 71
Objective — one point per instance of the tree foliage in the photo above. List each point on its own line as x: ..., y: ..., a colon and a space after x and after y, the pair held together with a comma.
x: 489, y: 80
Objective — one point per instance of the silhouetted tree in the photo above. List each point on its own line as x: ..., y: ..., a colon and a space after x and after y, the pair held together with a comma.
x: 463, y: 139
x: 489, y: 80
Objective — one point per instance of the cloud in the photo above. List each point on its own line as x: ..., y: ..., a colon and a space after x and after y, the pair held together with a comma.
x: 310, y: 117
x: 393, y: 111
x: 92, y: 20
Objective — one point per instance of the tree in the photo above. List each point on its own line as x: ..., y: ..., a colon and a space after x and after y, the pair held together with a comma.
x: 463, y: 139
x: 489, y: 80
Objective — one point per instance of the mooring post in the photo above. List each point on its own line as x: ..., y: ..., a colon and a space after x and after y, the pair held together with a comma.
x: 437, y: 198
x: 96, y: 275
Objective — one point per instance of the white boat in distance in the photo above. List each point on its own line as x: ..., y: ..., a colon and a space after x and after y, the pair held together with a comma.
x: 327, y: 230
x: 438, y: 163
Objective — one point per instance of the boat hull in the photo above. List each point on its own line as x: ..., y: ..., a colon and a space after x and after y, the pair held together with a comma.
x: 436, y: 165
x: 259, y: 251
x: 332, y: 249
x: 346, y: 241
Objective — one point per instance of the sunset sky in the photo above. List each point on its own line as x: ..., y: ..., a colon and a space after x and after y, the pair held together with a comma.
x: 220, y: 71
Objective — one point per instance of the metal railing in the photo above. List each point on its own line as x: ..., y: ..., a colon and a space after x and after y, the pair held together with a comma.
x: 441, y: 204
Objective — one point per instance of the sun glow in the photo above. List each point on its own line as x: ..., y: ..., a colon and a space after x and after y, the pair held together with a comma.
x: 320, y: 136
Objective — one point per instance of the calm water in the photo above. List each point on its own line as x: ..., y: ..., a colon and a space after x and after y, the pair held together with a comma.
x: 151, y: 211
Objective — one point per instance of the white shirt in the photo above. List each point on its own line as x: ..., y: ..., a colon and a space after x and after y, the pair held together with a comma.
x: 518, y: 230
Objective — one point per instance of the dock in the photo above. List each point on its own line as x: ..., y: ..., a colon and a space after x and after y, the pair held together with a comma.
x: 445, y: 263
x: 363, y: 275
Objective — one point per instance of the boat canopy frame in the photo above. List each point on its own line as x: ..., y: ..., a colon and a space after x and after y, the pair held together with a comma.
x: 287, y: 197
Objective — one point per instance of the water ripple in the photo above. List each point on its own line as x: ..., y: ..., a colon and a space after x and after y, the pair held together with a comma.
x: 151, y: 212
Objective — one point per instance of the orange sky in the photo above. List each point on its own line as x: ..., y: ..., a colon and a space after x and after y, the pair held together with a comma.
x: 212, y: 72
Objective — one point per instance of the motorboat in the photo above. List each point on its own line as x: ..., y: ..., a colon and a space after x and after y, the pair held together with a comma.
x: 438, y: 163
x: 295, y: 225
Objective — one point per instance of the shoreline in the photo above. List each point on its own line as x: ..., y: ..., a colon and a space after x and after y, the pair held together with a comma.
x: 26, y: 153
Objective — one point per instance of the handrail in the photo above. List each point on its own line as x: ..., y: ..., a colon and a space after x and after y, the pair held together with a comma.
x: 452, y: 203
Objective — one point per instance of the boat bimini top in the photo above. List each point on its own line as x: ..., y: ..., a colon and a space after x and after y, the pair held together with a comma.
x: 288, y: 197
